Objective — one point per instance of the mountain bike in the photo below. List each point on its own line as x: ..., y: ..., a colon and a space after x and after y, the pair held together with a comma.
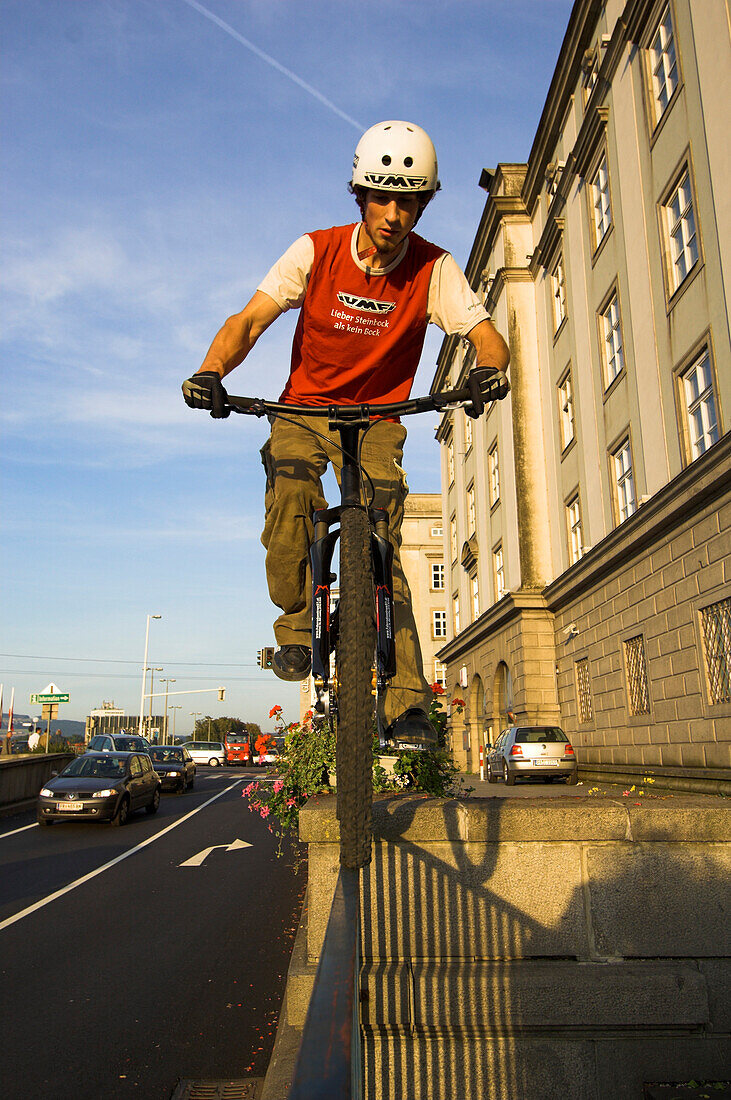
x: 359, y: 632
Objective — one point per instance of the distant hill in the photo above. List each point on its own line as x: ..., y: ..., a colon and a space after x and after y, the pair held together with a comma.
x: 71, y: 729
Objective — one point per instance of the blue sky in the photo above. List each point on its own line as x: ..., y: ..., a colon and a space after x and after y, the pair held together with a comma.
x: 158, y: 156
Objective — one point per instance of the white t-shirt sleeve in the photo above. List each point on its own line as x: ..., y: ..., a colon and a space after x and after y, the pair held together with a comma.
x: 452, y: 303
x: 286, y: 282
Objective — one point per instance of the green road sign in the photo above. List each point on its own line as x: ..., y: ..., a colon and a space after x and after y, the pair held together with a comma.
x: 63, y: 698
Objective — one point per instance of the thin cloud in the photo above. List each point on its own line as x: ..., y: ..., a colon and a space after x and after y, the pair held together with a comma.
x: 275, y: 64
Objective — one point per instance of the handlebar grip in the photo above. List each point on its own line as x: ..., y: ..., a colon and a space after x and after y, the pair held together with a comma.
x: 477, y: 407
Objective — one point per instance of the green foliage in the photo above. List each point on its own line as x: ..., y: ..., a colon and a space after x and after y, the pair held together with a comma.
x: 219, y: 727
x: 308, y: 761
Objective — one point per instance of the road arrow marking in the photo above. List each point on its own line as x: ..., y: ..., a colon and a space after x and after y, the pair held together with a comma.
x: 196, y: 861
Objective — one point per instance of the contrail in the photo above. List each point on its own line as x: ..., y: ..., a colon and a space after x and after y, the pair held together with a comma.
x: 274, y: 64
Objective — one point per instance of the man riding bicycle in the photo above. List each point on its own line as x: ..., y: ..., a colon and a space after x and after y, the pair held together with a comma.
x: 366, y: 293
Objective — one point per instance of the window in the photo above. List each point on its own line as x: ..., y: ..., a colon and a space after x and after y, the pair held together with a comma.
x: 467, y: 432
x: 699, y: 403
x: 475, y: 591
x: 471, y: 515
x: 440, y: 674
x: 437, y: 576
x: 453, y: 537
x: 716, y: 627
x: 493, y: 466
x: 680, y: 230
x: 600, y: 200
x: 437, y: 531
x: 624, y: 484
x: 639, y: 695
x: 566, y: 411
x: 663, y: 65
x: 455, y: 613
x: 590, y: 69
x: 498, y: 572
x: 573, y: 523
x: 558, y: 287
x: 439, y: 624
x: 583, y: 690
x: 611, y: 329
x: 450, y: 461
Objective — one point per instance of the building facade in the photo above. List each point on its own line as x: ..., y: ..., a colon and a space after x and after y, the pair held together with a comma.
x: 588, y: 527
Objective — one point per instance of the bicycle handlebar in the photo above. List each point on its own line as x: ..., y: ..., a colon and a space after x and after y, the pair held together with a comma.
x: 473, y: 397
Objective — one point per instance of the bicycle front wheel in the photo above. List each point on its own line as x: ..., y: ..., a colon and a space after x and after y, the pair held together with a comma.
x: 354, y: 658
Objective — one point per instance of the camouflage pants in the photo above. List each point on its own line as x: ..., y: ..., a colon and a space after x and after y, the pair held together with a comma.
x: 295, y: 461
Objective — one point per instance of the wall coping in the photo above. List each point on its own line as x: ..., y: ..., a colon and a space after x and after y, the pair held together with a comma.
x: 419, y: 819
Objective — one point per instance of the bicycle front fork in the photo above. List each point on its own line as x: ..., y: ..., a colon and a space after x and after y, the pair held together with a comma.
x: 324, y: 621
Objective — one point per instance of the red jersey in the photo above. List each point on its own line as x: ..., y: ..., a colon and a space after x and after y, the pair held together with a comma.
x: 359, y: 335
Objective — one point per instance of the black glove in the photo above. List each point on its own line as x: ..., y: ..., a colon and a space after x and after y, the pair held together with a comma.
x: 492, y: 383
x: 205, y: 391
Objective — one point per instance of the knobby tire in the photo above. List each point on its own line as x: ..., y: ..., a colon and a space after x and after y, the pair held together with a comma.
x: 354, y: 658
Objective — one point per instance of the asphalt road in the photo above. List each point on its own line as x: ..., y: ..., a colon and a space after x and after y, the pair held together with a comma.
x: 122, y: 971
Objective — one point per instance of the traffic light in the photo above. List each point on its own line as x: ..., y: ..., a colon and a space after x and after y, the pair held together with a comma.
x: 260, y: 658
x: 268, y: 656
x: 221, y: 694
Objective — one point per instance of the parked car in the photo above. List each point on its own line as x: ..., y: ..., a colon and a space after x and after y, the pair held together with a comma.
x: 175, y: 767
x: 100, y: 786
x: 532, y: 752
x: 118, y: 742
x: 207, y: 752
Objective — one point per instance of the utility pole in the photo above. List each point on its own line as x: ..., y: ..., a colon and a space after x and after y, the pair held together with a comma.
x: 165, y: 723
x: 195, y: 714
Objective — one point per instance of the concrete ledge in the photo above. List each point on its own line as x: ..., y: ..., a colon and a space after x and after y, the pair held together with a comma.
x: 692, y: 780
x: 494, y: 999
x: 21, y: 778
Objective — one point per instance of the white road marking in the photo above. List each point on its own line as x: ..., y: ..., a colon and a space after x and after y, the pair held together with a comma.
x: 20, y: 830
x: 105, y: 866
x: 197, y: 860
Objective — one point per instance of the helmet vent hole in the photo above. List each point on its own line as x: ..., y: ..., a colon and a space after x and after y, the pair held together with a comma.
x: 408, y: 161
x: 386, y: 160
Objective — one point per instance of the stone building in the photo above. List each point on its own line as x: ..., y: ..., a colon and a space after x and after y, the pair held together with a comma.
x: 588, y: 519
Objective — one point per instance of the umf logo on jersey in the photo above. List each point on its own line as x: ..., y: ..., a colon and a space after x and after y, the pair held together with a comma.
x: 364, y: 305
x: 386, y: 181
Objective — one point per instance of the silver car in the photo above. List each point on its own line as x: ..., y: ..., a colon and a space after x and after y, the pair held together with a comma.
x: 207, y: 752
x: 532, y: 752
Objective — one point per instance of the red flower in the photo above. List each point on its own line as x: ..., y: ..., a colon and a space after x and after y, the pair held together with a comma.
x: 437, y: 689
x: 274, y: 711
x: 458, y: 702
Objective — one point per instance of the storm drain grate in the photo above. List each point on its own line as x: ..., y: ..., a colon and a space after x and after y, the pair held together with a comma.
x: 238, y: 1088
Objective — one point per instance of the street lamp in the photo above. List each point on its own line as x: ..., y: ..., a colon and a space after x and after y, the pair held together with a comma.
x: 195, y: 714
x: 165, y: 723
x: 152, y: 670
x: 144, y: 671
x: 174, y: 707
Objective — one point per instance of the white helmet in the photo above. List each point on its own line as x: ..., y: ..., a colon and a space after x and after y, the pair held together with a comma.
x: 396, y: 156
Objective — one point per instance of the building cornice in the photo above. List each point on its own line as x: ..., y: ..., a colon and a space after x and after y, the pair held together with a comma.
x: 512, y: 606
x: 706, y: 480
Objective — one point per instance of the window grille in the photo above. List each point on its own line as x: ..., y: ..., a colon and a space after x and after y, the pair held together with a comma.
x: 475, y: 598
x: 664, y: 65
x: 700, y: 405
x: 437, y: 576
x: 450, y: 462
x: 453, y: 537
x: 586, y: 712
x: 440, y: 673
x: 437, y: 531
x: 455, y: 609
x: 716, y: 625
x: 471, y: 513
x: 639, y: 694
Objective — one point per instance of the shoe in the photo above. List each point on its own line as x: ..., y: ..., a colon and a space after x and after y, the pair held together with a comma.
x: 292, y: 662
x: 412, y: 729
